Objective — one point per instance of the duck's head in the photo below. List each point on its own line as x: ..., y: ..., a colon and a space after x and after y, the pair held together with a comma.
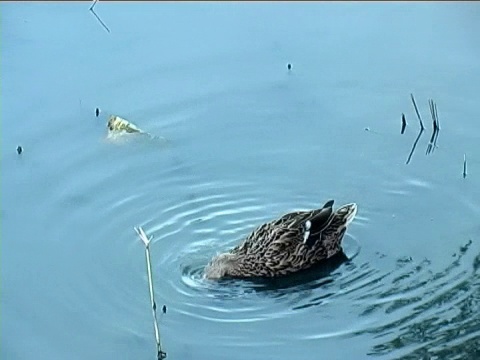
x: 222, y: 266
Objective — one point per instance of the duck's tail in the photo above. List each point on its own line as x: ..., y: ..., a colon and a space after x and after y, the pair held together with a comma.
x: 347, y: 213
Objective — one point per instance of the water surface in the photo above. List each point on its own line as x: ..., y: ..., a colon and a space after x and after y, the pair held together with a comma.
x: 249, y: 141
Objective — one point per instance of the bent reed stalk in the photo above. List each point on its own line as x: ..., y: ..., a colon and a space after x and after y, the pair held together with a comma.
x: 160, y: 353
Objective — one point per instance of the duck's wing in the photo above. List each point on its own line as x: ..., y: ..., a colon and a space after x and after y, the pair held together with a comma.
x: 313, y: 227
x: 288, y: 231
x: 285, y: 251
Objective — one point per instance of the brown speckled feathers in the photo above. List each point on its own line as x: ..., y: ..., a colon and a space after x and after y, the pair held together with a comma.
x: 294, y: 242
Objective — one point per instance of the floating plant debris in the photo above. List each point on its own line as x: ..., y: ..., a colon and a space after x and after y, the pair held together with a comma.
x: 116, y: 123
x: 118, y: 126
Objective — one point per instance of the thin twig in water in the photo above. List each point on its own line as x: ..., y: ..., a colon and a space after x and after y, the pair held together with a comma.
x: 464, y: 166
x: 93, y: 5
x: 98, y: 18
x: 422, y: 128
x: 160, y: 354
x: 431, y: 146
x: 416, y: 110
x: 438, y: 126
x: 414, y: 145
x: 404, y: 124
x: 436, y: 115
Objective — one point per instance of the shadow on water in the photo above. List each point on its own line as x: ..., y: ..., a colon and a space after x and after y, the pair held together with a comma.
x: 308, y: 279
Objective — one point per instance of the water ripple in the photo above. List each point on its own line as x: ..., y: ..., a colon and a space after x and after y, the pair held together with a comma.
x: 405, y: 302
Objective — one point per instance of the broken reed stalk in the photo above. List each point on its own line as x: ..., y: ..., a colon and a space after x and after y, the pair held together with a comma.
x: 438, y: 124
x: 414, y: 145
x: 98, y: 17
x: 160, y: 354
x: 416, y: 110
x: 436, y: 115
x: 93, y: 5
x: 422, y: 128
x: 431, y: 144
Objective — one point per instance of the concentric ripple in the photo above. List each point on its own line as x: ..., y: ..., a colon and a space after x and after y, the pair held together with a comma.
x: 395, y: 290
x: 371, y: 292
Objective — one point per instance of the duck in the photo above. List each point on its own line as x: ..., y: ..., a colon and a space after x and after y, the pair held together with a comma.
x: 296, y: 241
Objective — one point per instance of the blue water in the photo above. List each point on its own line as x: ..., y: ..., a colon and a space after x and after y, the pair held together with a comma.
x: 248, y: 141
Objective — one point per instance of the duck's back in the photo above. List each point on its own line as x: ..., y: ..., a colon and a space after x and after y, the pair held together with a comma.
x: 296, y: 241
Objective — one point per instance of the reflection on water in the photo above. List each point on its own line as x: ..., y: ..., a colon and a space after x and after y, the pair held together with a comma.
x: 248, y: 141
x: 442, y: 311
x: 309, y: 279
x: 421, y: 311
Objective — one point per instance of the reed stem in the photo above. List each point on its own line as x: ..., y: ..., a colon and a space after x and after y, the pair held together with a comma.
x: 160, y: 354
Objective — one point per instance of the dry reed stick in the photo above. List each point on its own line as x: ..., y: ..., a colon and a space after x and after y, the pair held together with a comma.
x: 416, y: 110
x: 98, y: 17
x: 160, y: 354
